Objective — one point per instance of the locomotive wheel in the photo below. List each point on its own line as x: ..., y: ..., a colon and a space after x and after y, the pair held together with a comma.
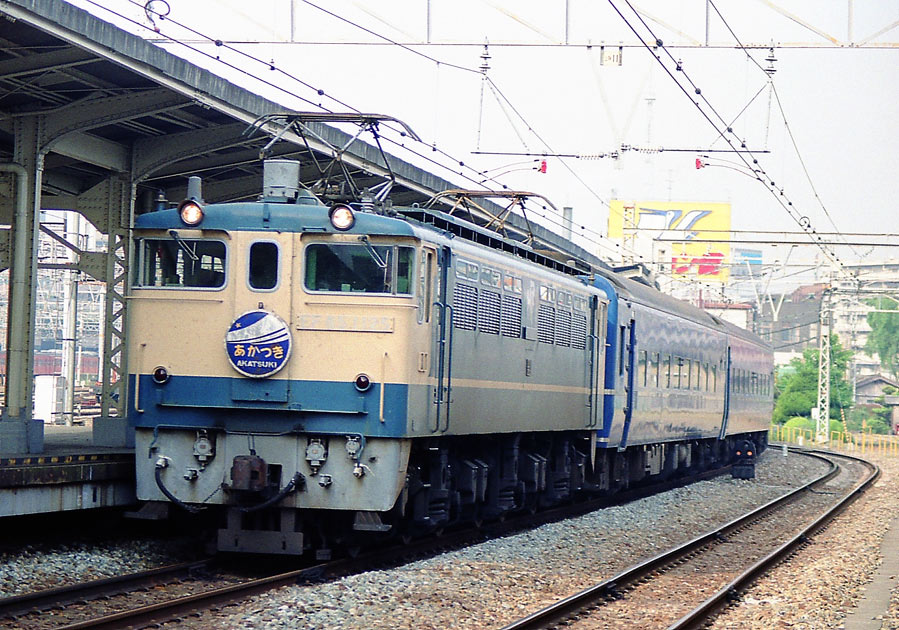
x: 353, y: 551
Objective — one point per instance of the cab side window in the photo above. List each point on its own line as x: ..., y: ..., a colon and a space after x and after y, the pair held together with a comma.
x: 263, y: 266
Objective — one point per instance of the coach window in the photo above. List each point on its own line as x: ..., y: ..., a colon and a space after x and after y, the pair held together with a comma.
x: 676, y: 364
x: 668, y: 371
x: 179, y: 263
x: 713, y: 377
x: 654, y: 378
x: 641, y: 372
x: 263, y: 268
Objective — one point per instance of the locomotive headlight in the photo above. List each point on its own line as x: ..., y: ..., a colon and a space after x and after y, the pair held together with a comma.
x: 160, y: 375
x: 191, y: 212
x: 362, y: 382
x: 342, y: 217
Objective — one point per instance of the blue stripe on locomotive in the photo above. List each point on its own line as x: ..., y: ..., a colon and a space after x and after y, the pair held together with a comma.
x: 269, y: 406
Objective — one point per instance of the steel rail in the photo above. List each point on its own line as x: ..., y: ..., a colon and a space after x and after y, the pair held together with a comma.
x: 612, y: 588
x: 699, y: 616
x: 182, y: 606
x: 65, y: 595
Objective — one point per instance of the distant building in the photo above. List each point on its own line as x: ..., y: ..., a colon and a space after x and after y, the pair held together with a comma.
x: 740, y: 314
x: 868, y: 388
x: 790, y: 322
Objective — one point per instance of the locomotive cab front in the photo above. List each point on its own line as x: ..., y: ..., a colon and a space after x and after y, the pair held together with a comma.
x: 274, y: 349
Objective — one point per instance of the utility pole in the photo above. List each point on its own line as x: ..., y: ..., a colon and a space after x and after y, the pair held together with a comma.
x: 822, y: 411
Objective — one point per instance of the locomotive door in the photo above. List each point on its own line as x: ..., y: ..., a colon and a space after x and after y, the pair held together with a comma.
x: 430, y: 299
x: 259, y: 340
x: 443, y: 345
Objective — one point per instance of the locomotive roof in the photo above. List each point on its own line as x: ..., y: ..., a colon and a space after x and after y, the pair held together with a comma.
x: 274, y: 217
x: 308, y: 214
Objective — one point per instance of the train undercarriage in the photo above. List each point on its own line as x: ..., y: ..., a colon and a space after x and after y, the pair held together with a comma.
x: 450, y: 483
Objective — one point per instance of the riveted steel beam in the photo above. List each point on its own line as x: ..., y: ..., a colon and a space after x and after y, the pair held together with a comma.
x: 108, y: 110
x: 95, y: 150
x: 44, y: 62
x: 151, y: 154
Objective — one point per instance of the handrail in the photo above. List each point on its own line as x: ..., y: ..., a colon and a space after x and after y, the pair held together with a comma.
x: 441, y: 363
x: 449, y: 369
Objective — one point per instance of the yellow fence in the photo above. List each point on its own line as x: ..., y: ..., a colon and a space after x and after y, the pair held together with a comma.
x: 838, y: 440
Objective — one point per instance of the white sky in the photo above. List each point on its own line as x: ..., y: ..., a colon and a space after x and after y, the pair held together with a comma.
x: 842, y: 105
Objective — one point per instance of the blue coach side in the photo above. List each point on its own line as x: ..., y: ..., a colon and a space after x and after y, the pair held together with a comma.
x: 675, y: 372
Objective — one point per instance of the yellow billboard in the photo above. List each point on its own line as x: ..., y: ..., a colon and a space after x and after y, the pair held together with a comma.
x: 678, y: 229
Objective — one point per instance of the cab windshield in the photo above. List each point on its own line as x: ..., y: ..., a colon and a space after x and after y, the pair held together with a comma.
x: 359, y: 268
x: 178, y: 263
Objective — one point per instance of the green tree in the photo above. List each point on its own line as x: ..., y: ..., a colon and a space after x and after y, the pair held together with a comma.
x: 884, y: 337
x: 798, y: 384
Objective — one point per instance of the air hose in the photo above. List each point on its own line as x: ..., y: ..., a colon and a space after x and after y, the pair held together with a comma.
x: 298, y: 481
x: 171, y: 497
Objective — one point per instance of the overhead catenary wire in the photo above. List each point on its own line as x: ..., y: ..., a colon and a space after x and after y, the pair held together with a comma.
x: 777, y: 193
x: 796, y: 343
x: 801, y: 220
x: 403, y: 144
x: 271, y: 66
x: 768, y: 73
x: 220, y: 44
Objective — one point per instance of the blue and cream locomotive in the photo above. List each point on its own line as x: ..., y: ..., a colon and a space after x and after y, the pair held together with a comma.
x: 318, y: 374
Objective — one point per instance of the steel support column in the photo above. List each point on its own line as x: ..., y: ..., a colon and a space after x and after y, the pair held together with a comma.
x: 18, y: 433
x: 110, y: 428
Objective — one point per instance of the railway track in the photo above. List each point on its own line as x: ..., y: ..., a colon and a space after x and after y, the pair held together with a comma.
x: 181, y: 590
x: 686, y: 586
x: 140, y: 599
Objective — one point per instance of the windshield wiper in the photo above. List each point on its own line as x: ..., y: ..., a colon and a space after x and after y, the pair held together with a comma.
x: 184, y: 246
x: 373, y: 252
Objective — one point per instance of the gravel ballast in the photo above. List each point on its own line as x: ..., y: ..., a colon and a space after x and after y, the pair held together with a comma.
x: 39, y: 566
x: 493, y: 583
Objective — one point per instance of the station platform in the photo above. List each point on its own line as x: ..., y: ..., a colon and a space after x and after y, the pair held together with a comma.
x: 70, y: 474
